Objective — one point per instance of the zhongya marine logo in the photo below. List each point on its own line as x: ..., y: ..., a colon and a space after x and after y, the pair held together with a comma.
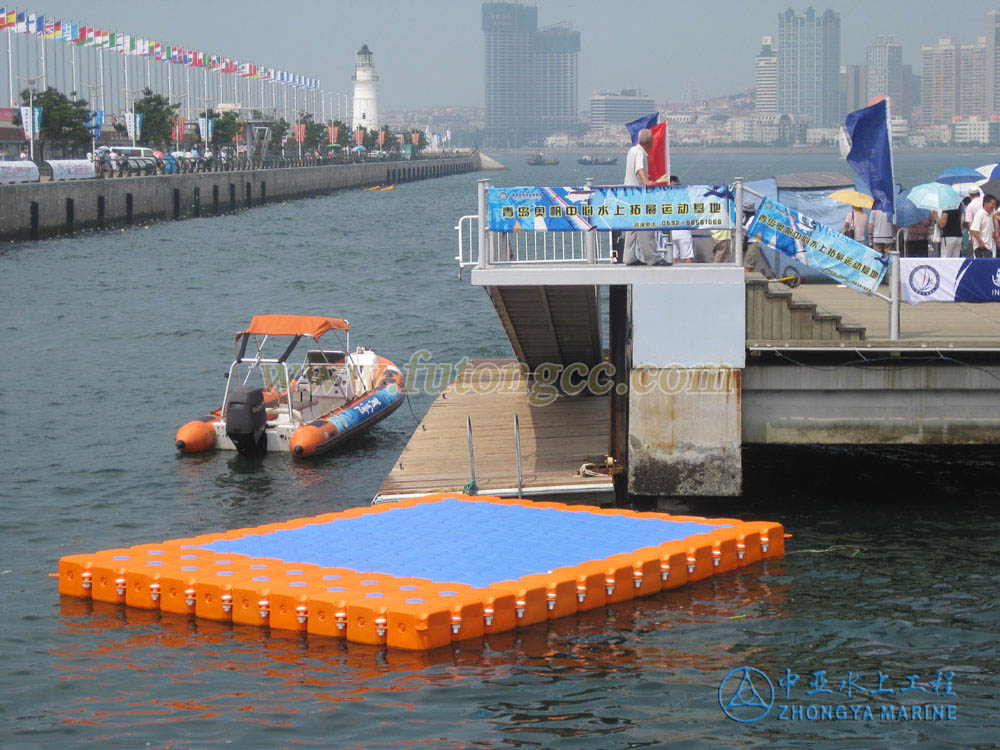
x: 746, y: 695
x: 924, y: 280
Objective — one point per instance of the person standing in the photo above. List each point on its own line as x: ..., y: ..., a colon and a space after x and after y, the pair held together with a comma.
x: 881, y: 232
x: 972, y: 203
x: 640, y: 247
x: 950, y: 224
x: 856, y: 224
x: 981, y: 234
x: 681, y: 239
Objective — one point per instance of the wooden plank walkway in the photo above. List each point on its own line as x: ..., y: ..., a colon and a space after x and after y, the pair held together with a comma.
x: 556, y: 439
x: 932, y: 324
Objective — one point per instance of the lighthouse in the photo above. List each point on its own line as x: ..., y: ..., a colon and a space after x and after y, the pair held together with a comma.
x: 365, y: 113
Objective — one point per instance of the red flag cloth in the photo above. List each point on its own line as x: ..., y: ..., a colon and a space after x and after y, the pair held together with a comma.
x: 658, y: 152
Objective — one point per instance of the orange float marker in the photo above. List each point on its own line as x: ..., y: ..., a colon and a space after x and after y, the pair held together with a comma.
x: 420, y: 574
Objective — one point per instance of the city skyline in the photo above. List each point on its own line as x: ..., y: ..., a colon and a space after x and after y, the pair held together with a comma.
x: 431, y: 53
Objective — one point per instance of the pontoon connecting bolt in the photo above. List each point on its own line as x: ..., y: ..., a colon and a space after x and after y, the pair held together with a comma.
x: 87, y: 577
x: 488, y: 615
x: 741, y: 550
x: 581, y: 593
x: 764, y: 541
x: 227, y: 603
x: 664, y: 571
x: 189, y: 597
x: 264, y: 608
x: 519, y: 606
x: 637, y: 578
x: 609, y: 585
x: 716, y: 557
x: 341, y: 618
x: 456, y: 623
x: 302, y: 614
x: 550, y: 600
x: 691, y: 562
x: 154, y: 592
x: 120, y: 586
x: 380, y: 626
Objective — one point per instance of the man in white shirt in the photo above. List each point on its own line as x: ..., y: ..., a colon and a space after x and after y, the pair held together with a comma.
x: 981, y: 232
x: 640, y: 247
x: 683, y: 241
x: 975, y: 204
x: 881, y: 232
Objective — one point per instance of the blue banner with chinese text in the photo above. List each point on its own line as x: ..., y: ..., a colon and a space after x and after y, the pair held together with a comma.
x: 575, y: 209
x: 818, y: 246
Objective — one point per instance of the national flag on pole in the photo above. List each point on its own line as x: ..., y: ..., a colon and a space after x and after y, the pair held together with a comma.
x: 359, y: 136
x: 3, y: 18
x: 381, y: 137
x: 868, y: 135
x: 178, y: 128
x: 643, y: 123
x: 32, y: 26
x: 50, y: 29
x: 21, y: 26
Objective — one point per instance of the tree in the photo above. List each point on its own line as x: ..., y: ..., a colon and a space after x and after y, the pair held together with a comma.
x: 315, y: 134
x: 421, y: 141
x: 157, y: 118
x: 64, y: 120
x: 278, y: 132
x: 227, y: 125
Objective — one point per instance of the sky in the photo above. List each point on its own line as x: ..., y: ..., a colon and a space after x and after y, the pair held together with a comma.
x: 430, y: 52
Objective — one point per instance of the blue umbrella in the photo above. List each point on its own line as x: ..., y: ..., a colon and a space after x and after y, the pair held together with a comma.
x: 959, y: 174
x: 362, y: 148
x: 989, y: 171
x: 907, y: 214
x: 934, y: 196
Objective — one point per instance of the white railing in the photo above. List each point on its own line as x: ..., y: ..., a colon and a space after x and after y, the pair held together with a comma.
x: 467, y: 228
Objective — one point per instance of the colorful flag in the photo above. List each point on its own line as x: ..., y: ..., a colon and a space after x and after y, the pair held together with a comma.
x: 359, y: 136
x: 21, y: 26
x: 643, y: 123
x: 415, y: 137
x: 3, y: 18
x: 178, y: 129
x: 870, y: 154
x: 50, y: 30
x: 381, y: 137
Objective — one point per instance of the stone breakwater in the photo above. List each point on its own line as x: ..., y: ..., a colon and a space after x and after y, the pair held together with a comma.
x: 48, y: 209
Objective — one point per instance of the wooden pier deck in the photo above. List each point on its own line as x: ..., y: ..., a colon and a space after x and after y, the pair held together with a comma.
x: 556, y: 439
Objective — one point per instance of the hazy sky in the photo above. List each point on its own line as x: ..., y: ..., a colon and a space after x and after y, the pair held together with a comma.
x: 430, y: 52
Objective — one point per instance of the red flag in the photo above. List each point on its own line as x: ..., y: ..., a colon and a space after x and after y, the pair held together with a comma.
x: 415, y: 137
x: 178, y: 128
x: 359, y: 136
x: 335, y: 134
x: 381, y: 137
x: 658, y: 152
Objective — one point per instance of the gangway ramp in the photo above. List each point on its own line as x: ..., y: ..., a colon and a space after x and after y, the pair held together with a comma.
x: 550, y: 324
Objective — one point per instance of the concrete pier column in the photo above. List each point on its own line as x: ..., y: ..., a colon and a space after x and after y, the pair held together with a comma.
x: 684, y: 412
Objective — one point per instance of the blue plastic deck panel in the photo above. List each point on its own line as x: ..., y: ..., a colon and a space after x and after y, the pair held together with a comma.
x: 450, y: 540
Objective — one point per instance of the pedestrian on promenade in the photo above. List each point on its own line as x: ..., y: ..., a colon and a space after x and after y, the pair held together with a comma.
x: 640, y: 247
x: 982, y: 232
x: 950, y: 223
x: 24, y: 154
x: 881, y: 232
x: 681, y: 239
x: 971, y: 206
x: 856, y: 224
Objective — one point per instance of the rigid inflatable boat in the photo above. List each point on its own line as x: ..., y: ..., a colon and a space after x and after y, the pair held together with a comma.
x: 306, y: 408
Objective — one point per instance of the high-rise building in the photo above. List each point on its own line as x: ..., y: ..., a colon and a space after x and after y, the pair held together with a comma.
x: 885, y: 71
x: 940, y: 81
x: 766, y: 78
x: 531, y: 75
x: 853, y: 89
x: 809, y: 66
x: 991, y: 78
x: 365, y: 112
x: 610, y: 108
x: 972, y: 79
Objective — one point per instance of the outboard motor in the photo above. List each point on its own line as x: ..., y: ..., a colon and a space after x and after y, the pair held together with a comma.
x: 246, y: 419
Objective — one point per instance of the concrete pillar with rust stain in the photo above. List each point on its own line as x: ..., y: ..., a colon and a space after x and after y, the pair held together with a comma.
x: 688, y: 351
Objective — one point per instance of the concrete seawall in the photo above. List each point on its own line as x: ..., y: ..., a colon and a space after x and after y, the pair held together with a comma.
x: 38, y: 210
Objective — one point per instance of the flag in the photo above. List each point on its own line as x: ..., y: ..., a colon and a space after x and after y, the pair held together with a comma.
x: 32, y: 25
x: 178, y: 129
x: 381, y: 137
x: 50, y: 30
x: 642, y: 123
x: 870, y: 153
x: 334, y: 133
x: 3, y: 18
x: 359, y: 136
x: 21, y: 26
x: 94, y: 123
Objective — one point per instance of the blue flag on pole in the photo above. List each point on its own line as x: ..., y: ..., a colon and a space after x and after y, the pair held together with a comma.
x: 871, y: 152
x: 643, y: 122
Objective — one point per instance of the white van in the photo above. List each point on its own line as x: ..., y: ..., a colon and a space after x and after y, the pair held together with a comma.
x: 134, y: 151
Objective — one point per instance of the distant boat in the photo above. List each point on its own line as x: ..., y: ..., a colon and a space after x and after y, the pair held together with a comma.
x: 597, y: 161
x: 540, y: 160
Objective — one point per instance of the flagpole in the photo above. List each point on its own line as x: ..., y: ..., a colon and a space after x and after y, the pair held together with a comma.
x: 100, y: 53
x: 10, y: 67
x: 187, y: 88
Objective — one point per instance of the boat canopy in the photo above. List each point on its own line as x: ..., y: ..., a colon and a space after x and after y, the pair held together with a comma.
x: 293, y: 325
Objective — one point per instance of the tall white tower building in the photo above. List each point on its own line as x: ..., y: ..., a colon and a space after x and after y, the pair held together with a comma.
x: 365, y: 113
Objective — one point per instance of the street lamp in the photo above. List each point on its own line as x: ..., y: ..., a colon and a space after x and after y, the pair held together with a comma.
x: 130, y: 93
x: 31, y: 110
x: 93, y: 134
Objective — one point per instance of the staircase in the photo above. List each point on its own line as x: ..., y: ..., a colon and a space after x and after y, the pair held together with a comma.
x: 558, y: 324
x: 775, y: 314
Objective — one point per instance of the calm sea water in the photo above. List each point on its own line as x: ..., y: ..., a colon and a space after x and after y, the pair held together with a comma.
x: 110, y: 340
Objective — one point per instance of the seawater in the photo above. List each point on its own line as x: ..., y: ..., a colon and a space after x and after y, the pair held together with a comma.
x: 110, y: 340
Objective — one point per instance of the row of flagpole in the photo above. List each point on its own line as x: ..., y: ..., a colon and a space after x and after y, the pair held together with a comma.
x: 103, y: 80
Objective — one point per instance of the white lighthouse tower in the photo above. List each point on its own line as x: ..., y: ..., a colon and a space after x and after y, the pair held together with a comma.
x: 365, y: 113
